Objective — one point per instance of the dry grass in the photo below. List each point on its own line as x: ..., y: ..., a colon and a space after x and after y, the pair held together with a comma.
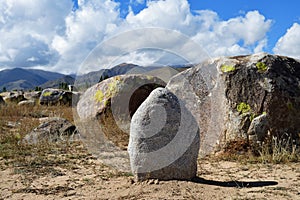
x: 279, y: 150
x: 273, y: 151
x: 16, y: 122
x: 32, y: 164
x: 43, y: 158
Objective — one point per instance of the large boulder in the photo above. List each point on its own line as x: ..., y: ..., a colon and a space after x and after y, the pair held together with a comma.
x: 52, y: 96
x: 51, y: 129
x: 164, y: 139
x: 112, y: 102
x: 242, y: 98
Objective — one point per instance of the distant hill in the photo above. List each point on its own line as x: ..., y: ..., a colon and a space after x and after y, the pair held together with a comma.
x: 165, y: 73
x: 92, y: 78
x: 18, y: 85
x: 19, y: 78
x: 26, y: 79
x: 55, y: 83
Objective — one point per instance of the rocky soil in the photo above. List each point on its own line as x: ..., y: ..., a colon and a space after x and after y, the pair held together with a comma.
x: 79, y: 175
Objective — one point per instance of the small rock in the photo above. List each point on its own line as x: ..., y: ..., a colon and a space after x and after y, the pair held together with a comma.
x: 131, y: 181
x: 258, y: 128
x: 26, y: 103
x: 51, y: 129
x: 70, y: 193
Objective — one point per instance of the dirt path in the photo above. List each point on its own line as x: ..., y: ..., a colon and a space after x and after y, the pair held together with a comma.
x: 87, y: 178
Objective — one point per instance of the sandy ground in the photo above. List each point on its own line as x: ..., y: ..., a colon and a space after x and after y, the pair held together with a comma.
x: 71, y: 172
x: 87, y: 178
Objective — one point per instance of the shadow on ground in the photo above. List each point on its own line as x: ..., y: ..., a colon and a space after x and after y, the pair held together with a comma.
x: 238, y: 184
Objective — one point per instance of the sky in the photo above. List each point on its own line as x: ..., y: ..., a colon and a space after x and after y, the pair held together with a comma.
x: 61, y: 36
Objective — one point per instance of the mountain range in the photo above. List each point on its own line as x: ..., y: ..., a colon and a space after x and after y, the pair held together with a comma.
x: 18, y: 78
x: 29, y: 79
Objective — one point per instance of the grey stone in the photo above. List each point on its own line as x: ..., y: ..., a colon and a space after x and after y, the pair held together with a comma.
x: 51, y: 130
x: 52, y: 96
x: 112, y: 102
x: 164, y: 139
x: 14, y: 97
x: 26, y: 103
x: 258, y: 129
x: 224, y: 94
x: 35, y: 95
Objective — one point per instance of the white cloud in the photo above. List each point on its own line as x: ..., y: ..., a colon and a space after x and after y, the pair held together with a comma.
x: 171, y: 14
x: 85, y: 28
x: 238, y: 35
x: 251, y: 28
x: 27, y: 29
x: 289, y: 44
x: 48, y: 34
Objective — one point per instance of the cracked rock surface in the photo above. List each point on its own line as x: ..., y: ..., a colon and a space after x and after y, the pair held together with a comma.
x: 233, y: 91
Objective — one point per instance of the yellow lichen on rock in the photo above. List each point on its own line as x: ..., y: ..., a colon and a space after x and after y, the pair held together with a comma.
x: 262, y: 67
x: 47, y: 94
x: 99, y: 96
x: 227, y: 68
x: 112, y: 89
x: 112, y: 86
x: 243, y: 108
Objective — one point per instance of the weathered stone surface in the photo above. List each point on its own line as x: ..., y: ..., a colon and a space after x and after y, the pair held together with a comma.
x: 112, y: 102
x: 258, y: 128
x: 14, y: 97
x: 56, y: 97
x: 226, y: 94
x: 32, y: 95
x: 27, y: 103
x: 51, y: 129
x: 164, y: 139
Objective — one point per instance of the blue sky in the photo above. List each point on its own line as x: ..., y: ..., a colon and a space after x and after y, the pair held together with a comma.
x: 58, y: 35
